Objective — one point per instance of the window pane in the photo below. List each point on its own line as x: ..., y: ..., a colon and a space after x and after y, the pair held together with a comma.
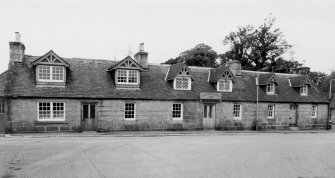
x: 182, y: 83
x: 205, y: 111
x: 237, y: 110
x: 44, y: 111
x: 57, y: 73
x: 44, y: 72
x: 85, y: 111
x: 2, y: 108
x: 176, y: 111
x: 210, y: 111
x: 122, y: 76
x: 58, y: 110
x: 92, y: 111
x: 129, y: 112
x: 132, y: 76
x: 270, y: 111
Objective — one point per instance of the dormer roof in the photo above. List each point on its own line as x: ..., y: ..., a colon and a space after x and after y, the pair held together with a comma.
x: 299, y: 81
x: 179, y: 69
x: 265, y: 79
x: 127, y: 63
x: 50, y: 58
x: 222, y: 72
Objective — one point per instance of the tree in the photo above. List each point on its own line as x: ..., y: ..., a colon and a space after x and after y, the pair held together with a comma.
x: 317, y: 77
x: 201, y: 55
x: 257, y: 48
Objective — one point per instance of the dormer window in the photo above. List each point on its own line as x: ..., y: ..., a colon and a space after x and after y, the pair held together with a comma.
x: 304, y: 90
x: 50, y: 70
x: 182, y: 83
x: 225, y: 85
x: 127, y: 76
x: 50, y: 73
x: 181, y: 76
x: 270, y: 88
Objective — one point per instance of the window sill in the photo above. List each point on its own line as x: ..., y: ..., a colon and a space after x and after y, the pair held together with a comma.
x: 50, y: 122
x: 237, y: 118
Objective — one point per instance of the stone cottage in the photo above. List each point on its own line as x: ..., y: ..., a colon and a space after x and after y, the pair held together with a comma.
x: 52, y: 93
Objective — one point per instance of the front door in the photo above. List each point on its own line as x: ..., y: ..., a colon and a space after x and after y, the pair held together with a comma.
x: 89, y: 121
x: 293, y: 121
x: 209, y: 113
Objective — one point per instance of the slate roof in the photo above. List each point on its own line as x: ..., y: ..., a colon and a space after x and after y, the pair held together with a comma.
x: 299, y: 81
x: 89, y: 79
x: 324, y: 88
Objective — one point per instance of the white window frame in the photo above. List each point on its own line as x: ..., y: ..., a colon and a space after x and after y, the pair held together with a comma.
x: 127, y: 77
x: 314, y: 111
x: 181, y: 111
x: 2, y: 107
x: 129, y: 119
x: 240, y: 111
x: 51, y: 68
x: 189, y: 84
x: 51, y: 112
x: 230, y: 83
x: 271, y: 111
x: 270, y: 88
x: 304, y: 90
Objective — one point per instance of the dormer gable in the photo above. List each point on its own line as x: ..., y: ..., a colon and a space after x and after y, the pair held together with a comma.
x: 179, y: 69
x: 127, y: 73
x: 181, y: 76
x: 299, y: 81
x: 265, y: 79
x: 127, y: 63
x: 50, y: 70
x: 221, y: 73
x: 50, y: 58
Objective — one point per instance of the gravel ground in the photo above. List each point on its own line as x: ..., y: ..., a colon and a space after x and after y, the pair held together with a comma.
x: 221, y: 155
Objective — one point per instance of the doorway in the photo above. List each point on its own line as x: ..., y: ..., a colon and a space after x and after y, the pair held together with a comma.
x: 88, y: 120
x: 293, y: 119
x: 209, y: 116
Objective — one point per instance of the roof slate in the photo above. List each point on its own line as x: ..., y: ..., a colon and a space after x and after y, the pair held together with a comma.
x: 2, y: 83
x: 264, y: 78
x: 299, y: 81
x: 217, y: 73
x: 89, y: 79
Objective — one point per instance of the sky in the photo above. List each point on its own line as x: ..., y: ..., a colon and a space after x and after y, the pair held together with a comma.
x: 107, y: 29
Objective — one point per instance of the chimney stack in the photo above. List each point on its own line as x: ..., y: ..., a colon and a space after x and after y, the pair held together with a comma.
x: 141, y: 56
x: 16, y: 50
x: 235, y: 67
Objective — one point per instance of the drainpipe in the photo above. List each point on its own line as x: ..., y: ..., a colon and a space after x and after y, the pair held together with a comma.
x: 330, y: 97
x: 257, y: 85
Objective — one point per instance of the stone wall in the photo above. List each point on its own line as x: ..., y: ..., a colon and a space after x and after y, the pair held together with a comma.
x: 225, y: 118
x: 150, y: 115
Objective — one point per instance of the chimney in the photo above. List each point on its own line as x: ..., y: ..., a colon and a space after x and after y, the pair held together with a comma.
x: 16, y: 49
x: 301, y: 70
x: 142, y: 57
x: 234, y: 66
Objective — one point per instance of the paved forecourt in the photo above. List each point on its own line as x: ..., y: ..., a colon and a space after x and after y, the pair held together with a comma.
x: 231, y: 155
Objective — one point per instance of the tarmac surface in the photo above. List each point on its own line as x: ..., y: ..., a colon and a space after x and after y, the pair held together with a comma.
x: 169, y: 154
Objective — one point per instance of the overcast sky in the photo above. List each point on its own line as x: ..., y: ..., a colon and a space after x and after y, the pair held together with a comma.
x: 110, y: 29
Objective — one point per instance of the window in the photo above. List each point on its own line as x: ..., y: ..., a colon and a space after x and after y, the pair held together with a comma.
x: 50, y: 73
x: 208, y: 111
x: 304, y: 90
x: 225, y: 86
x: 271, y: 111
x: 237, y: 111
x: 2, y: 107
x: 51, y: 111
x: 177, y: 111
x: 270, y: 88
x: 129, y: 111
x: 182, y: 83
x: 88, y: 111
x: 127, y: 76
x: 314, y: 111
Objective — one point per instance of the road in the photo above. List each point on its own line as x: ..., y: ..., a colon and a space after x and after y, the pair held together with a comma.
x: 221, y: 155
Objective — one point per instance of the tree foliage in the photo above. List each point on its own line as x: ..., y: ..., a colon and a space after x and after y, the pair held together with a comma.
x: 258, y: 48
x: 317, y: 77
x: 201, y: 55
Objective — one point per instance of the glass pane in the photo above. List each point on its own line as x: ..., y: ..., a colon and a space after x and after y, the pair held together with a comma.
x: 205, y: 111
x: 85, y: 111
x: 210, y: 111
x: 92, y: 111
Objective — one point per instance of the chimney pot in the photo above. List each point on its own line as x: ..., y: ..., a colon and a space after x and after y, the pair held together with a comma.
x: 17, y: 37
x: 141, y: 56
x: 141, y: 48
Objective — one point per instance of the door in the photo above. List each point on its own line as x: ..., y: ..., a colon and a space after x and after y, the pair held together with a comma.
x: 88, y: 120
x: 293, y: 120
x: 208, y: 117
